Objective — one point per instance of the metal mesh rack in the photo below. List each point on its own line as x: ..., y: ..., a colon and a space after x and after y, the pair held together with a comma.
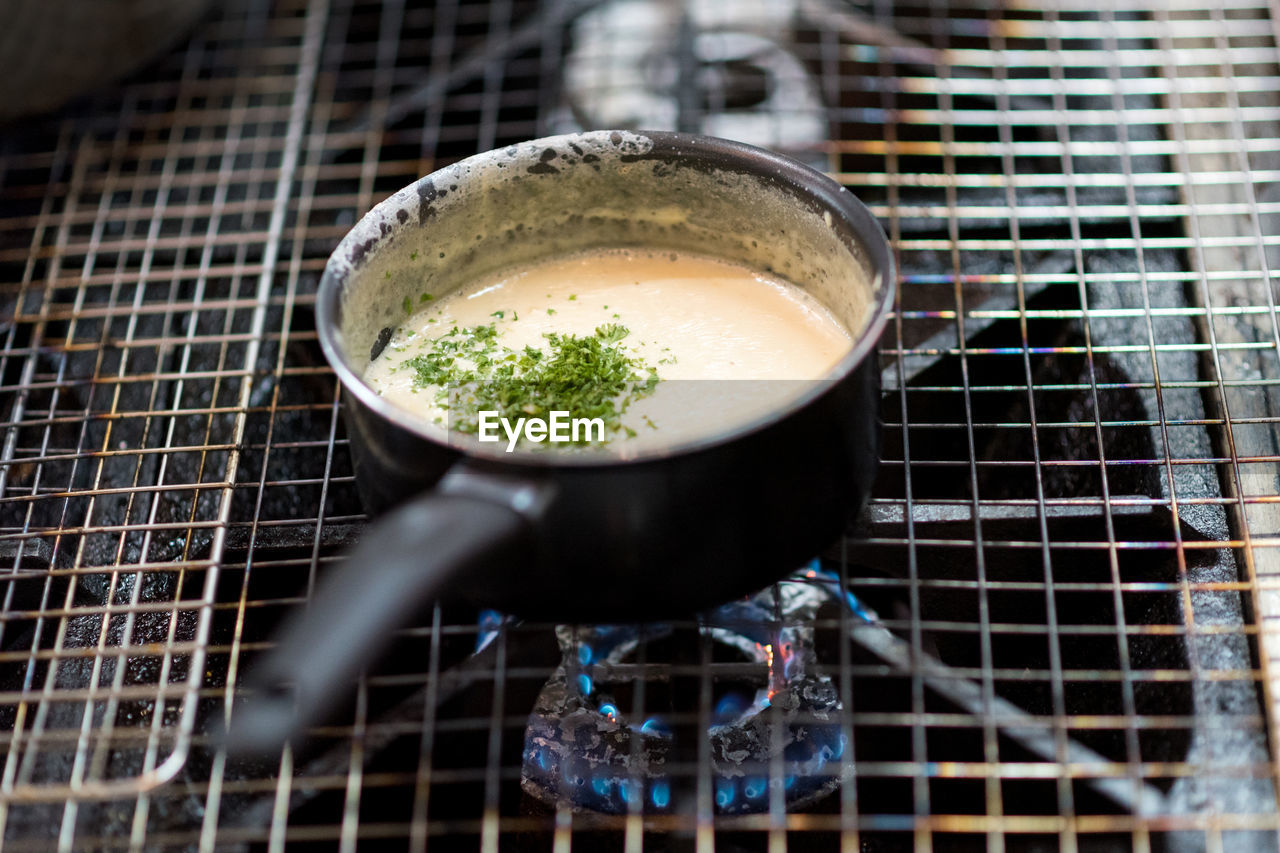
x: 1054, y: 628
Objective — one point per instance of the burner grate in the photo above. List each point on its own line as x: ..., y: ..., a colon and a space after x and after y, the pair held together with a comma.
x: 1066, y: 582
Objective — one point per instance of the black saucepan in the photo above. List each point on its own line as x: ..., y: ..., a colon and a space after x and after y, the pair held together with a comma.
x: 580, y: 536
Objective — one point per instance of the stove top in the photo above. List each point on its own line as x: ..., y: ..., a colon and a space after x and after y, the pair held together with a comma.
x: 1050, y: 630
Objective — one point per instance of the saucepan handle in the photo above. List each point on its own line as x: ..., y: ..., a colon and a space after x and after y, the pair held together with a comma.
x: 402, y: 562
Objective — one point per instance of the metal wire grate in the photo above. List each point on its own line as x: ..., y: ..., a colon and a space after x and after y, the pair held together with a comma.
x: 1061, y: 635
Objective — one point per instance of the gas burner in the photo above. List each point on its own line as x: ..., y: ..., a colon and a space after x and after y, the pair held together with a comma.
x: 582, y: 750
x: 722, y: 69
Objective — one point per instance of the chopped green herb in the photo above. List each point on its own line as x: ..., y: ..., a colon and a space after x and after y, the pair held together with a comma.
x: 408, y: 305
x: 388, y: 275
x: 572, y: 297
x: 425, y: 297
x: 499, y: 314
x: 589, y: 376
x: 413, y: 256
x: 550, y: 311
x: 612, y: 333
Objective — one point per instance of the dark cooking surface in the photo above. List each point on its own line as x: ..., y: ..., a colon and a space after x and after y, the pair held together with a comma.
x: 1045, y: 524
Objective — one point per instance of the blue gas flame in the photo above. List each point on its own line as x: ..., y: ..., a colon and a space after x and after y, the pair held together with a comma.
x: 655, y: 726
x: 487, y: 624
x: 730, y: 707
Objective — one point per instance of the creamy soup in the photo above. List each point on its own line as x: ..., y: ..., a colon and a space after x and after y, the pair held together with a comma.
x: 699, y: 325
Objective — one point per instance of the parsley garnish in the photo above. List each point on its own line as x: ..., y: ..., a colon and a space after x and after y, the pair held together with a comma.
x: 612, y: 332
x: 588, y: 376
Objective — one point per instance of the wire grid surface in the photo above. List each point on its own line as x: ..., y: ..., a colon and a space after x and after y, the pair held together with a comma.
x: 1072, y: 535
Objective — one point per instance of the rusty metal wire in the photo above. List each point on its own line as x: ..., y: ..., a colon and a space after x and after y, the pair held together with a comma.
x: 1067, y: 589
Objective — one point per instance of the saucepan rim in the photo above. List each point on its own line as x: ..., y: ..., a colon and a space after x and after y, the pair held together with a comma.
x: 721, y: 153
